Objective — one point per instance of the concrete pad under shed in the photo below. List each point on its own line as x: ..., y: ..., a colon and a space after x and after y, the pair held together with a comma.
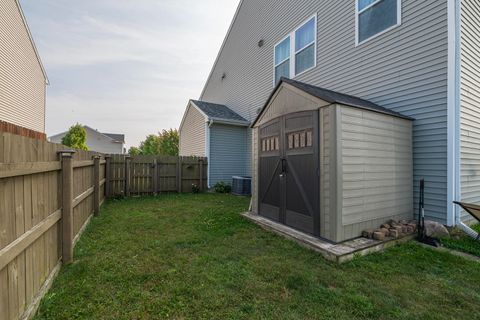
x: 339, y: 252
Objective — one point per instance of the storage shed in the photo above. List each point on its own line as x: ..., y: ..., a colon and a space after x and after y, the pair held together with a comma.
x: 330, y: 165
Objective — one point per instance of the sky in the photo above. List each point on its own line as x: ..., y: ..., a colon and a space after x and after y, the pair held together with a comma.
x: 125, y: 66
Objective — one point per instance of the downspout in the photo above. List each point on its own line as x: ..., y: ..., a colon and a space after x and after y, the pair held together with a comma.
x: 455, y: 19
x: 208, y: 125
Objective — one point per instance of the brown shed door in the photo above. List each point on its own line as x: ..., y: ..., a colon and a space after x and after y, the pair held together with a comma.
x: 288, y: 171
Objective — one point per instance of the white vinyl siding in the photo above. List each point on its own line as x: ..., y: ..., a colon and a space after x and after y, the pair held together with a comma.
x: 470, y: 103
x: 22, y: 81
x: 192, y: 134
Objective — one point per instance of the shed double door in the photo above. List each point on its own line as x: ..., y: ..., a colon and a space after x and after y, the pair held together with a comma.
x: 289, y: 171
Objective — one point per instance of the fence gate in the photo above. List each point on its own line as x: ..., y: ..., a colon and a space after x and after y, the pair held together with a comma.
x: 148, y: 175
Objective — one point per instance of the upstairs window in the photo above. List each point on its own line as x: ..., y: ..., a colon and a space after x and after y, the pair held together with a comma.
x: 282, y: 59
x: 375, y: 17
x: 305, y: 47
x: 297, y: 52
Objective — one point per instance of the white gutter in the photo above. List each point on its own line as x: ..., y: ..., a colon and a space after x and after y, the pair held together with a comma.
x: 230, y: 122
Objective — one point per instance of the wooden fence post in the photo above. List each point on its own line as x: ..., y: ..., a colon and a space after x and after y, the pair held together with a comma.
x: 155, y: 177
x: 96, y: 185
x: 179, y: 175
x: 67, y: 205
x: 108, y: 160
x: 200, y: 163
x: 127, y: 176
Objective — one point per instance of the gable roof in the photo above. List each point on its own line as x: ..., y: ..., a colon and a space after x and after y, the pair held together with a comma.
x: 214, y: 111
x: 112, y: 136
x: 115, y: 136
x: 332, y: 97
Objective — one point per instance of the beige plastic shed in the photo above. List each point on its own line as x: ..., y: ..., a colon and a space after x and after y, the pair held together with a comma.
x: 329, y: 164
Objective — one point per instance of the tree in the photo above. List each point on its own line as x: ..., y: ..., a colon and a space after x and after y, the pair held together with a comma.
x: 151, y: 145
x: 134, y: 151
x: 165, y: 143
x: 169, y: 140
x: 76, y: 137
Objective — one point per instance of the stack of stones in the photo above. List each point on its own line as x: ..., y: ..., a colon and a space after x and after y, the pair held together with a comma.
x: 393, y: 229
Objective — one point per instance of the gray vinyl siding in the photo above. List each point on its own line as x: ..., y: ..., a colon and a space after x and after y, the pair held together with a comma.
x: 228, y: 153
x: 404, y: 69
x: 470, y: 102
x: 192, y: 134
x: 22, y: 81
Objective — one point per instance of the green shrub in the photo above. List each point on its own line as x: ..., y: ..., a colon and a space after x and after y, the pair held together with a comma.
x: 222, y: 187
x: 195, y: 188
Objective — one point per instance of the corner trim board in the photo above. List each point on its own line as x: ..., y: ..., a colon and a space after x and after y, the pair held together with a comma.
x: 453, y: 112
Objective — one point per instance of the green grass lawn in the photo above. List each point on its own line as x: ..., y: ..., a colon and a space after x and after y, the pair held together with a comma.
x: 462, y: 242
x: 195, y: 257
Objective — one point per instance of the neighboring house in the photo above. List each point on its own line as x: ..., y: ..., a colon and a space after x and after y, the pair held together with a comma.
x: 416, y: 57
x: 109, y: 143
x: 22, y: 77
x: 214, y: 131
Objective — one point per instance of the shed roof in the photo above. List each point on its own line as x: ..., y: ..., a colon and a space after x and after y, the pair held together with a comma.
x: 333, y: 97
x: 215, y: 111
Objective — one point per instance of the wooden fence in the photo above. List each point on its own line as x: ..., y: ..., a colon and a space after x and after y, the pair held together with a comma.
x: 46, y: 199
x: 147, y: 175
x: 49, y: 194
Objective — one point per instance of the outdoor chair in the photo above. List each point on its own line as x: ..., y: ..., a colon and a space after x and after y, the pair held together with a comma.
x: 472, y: 209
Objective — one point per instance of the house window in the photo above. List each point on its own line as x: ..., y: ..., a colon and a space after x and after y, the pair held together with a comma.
x: 375, y: 17
x: 305, y: 47
x: 282, y: 59
x: 297, y: 52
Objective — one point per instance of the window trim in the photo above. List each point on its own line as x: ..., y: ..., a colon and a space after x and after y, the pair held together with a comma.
x: 357, y: 21
x: 294, y: 52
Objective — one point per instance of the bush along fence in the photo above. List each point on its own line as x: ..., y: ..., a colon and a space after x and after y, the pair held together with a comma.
x: 151, y: 175
x: 48, y: 195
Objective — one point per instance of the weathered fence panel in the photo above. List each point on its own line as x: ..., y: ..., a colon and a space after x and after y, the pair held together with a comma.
x: 31, y: 210
x: 49, y: 194
x: 147, y: 175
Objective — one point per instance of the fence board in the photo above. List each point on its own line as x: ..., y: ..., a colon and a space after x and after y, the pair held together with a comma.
x: 149, y: 175
x: 30, y: 215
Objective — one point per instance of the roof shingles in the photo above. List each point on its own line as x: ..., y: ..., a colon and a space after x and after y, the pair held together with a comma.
x: 218, y: 111
x: 340, y: 98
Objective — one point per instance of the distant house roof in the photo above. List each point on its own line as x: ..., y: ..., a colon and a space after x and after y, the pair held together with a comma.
x: 333, y: 97
x: 219, y: 112
x: 115, y: 136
